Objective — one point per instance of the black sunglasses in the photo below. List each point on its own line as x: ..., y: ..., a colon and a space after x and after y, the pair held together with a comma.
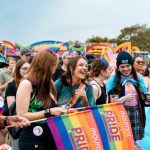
x: 140, y: 62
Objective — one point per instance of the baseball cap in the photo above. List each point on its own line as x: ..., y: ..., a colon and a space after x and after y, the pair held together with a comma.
x: 26, y: 52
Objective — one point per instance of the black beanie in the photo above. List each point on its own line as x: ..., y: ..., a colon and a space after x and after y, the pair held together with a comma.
x: 124, y: 58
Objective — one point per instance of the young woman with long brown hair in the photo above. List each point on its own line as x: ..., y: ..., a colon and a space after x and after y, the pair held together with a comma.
x: 73, y: 83
x: 130, y: 87
x: 36, y: 99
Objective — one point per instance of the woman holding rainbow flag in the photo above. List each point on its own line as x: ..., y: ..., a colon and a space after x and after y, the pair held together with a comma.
x: 72, y: 90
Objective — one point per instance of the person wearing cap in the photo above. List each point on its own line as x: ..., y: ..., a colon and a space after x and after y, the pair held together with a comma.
x: 25, y: 54
x: 129, y: 86
x: 61, y: 69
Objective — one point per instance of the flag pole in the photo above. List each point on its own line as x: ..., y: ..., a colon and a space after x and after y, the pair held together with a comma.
x: 103, y: 51
x: 44, y: 119
x: 34, y: 121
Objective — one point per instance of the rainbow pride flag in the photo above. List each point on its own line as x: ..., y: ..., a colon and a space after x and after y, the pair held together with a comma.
x: 105, y: 59
x: 103, y: 127
x: 77, y: 99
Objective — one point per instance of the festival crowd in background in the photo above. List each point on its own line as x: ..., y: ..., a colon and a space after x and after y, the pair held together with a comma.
x: 44, y: 85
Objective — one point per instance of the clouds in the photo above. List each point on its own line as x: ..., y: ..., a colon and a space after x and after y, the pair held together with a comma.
x: 26, y: 21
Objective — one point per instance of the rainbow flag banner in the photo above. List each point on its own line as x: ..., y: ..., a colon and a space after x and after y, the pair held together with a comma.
x: 103, y: 127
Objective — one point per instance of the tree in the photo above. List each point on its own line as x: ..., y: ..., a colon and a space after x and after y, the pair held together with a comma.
x: 139, y: 35
x: 96, y: 39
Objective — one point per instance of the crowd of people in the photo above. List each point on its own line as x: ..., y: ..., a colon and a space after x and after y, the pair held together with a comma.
x: 40, y: 87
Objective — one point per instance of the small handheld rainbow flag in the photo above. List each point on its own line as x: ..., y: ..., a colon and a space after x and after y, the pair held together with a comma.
x: 105, y: 58
x: 77, y: 99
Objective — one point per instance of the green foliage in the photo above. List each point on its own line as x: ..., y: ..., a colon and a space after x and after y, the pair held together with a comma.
x: 96, y: 39
x: 139, y: 35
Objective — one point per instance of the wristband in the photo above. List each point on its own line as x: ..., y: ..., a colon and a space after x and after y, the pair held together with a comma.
x: 47, y: 113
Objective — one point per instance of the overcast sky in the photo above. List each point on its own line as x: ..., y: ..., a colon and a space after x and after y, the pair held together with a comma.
x: 29, y: 21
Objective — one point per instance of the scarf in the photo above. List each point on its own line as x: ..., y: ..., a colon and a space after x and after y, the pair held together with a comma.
x: 111, y: 83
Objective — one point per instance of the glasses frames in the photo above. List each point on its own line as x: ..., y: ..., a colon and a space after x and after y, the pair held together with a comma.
x: 140, y: 62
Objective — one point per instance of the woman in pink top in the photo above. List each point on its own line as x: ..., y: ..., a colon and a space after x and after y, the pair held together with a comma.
x: 130, y: 88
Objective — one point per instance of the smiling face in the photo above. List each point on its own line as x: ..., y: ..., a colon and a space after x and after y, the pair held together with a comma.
x: 125, y: 69
x: 81, y: 69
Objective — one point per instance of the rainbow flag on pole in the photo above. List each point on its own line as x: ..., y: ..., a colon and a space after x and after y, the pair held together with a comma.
x: 105, y: 58
x: 103, y: 127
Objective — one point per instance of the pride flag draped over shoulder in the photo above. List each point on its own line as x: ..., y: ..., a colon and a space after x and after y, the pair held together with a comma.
x: 103, y: 127
x: 77, y: 99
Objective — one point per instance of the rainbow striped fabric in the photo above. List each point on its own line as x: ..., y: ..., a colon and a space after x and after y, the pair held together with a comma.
x: 77, y: 99
x: 104, y: 127
x: 105, y: 59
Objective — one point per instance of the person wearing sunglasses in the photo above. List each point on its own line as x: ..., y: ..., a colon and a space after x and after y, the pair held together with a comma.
x: 20, y: 71
x: 139, y: 64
